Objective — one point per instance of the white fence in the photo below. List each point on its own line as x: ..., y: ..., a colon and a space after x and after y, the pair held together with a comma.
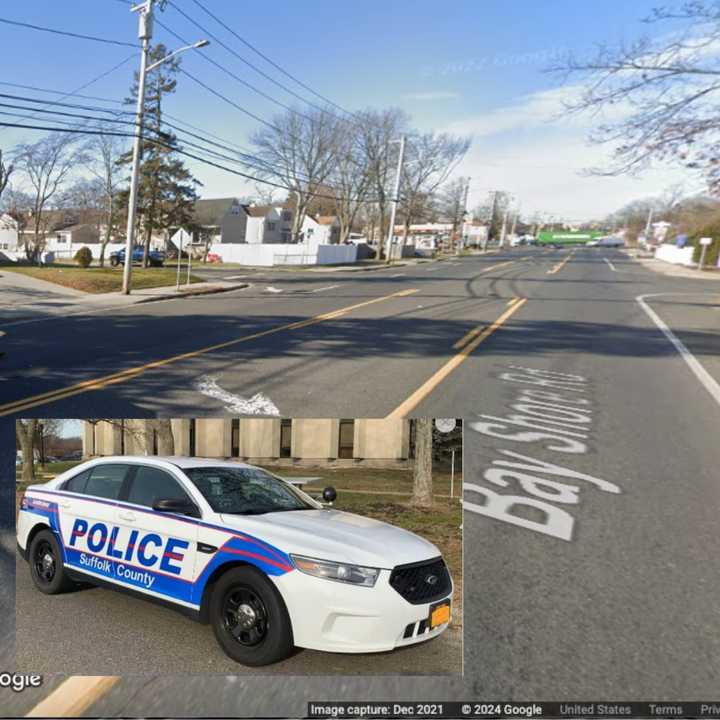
x: 67, y: 252
x: 672, y: 254
x: 267, y: 255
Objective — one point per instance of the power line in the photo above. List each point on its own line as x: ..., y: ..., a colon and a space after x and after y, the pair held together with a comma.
x: 218, y: 65
x: 67, y: 34
x: 268, y: 60
x: 258, y: 70
x: 179, y: 150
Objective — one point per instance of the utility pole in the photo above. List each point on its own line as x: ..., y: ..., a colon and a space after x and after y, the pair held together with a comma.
x: 461, y: 243
x: 514, y: 223
x: 488, y: 235
x: 648, y: 226
x: 145, y: 31
x: 503, y: 232
x: 395, y: 200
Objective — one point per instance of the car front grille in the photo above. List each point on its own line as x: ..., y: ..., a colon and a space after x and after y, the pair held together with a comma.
x: 414, y: 581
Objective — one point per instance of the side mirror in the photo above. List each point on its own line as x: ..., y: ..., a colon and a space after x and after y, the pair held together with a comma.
x: 178, y: 506
x: 329, y: 494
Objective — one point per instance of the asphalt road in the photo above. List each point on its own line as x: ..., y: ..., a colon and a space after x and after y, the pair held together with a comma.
x: 611, y: 593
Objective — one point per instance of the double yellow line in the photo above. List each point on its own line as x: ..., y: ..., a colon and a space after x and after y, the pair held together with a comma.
x: 465, y: 345
x: 133, y: 372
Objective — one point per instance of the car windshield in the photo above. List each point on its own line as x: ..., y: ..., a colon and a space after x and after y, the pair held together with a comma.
x: 245, y: 491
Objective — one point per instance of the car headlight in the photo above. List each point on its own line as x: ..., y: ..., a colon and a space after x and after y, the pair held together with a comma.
x: 341, y: 572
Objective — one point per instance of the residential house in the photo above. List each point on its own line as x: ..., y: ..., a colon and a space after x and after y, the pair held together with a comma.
x: 321, y: 230
x: 8, y: 234
x: 269, y: 224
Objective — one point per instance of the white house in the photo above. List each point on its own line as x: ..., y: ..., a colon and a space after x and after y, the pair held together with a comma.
x: 268, y: 224
x: 322, y: 230
x: 8, y: 234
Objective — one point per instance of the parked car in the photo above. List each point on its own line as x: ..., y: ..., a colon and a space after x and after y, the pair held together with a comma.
x: 156, y: 258
x: 234, y: 546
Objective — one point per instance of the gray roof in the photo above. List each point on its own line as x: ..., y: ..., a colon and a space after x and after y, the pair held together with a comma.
x: 212, y: 211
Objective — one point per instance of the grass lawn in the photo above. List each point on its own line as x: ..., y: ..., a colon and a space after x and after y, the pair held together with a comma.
x: 101, y: 280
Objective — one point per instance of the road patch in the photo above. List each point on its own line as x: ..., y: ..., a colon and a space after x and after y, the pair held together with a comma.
x: 258, y: 404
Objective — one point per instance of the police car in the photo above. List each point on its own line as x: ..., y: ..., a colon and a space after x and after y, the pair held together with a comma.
x: 234, y: 546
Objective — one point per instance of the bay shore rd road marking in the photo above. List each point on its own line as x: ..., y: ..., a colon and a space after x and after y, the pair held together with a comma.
x: 429, y: 385
x: 610, y: 265
x: 131, y: 373
x: 706, y: 380
x: 557, y: 268
x: 74, y: 697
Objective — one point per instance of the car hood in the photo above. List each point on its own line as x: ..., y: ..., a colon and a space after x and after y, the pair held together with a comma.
x: 336, y: 535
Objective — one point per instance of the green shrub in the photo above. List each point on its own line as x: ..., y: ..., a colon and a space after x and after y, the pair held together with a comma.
x: 83, y: 257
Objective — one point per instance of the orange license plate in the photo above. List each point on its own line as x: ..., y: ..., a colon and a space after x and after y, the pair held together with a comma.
x: 439, y: 615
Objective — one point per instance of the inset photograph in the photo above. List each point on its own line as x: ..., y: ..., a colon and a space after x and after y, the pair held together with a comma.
x: 296, y: 546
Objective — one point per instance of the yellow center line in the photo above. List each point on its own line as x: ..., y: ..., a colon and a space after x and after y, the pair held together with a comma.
x: 429, y: 385
x: 495, y: 267
x: 467, y: 337
x: 130, y: 373
x: 76, y: 695
x: 561, y: 264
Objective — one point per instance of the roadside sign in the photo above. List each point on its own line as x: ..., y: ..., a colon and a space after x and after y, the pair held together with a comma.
x: 706, y: 241
x: 445, y: 425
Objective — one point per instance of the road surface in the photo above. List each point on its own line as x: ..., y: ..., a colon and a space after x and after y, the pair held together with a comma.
x: 592, y: 398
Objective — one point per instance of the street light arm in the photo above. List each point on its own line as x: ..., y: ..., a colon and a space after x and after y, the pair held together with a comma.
x: 195, y: 46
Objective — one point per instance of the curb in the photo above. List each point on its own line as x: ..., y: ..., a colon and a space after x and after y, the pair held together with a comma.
x: 191, y: 293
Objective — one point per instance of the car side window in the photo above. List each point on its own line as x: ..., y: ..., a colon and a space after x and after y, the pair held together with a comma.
x: 106, y: 481
x: 77, y: 484
x: 151, y: 484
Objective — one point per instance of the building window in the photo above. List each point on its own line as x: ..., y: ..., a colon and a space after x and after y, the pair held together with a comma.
x: 235, y: 438
x: 271, y: 226
x: 346, y: 442
x: 286, y: 438
x: 286, y: 215
x: 191, y: 449
x: 60, y: 239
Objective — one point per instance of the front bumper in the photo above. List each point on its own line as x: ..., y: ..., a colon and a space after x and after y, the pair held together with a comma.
x: 339, y: 617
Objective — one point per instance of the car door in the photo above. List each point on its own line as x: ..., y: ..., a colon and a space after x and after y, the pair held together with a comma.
x: 86, y: 512
x: 160, y: 547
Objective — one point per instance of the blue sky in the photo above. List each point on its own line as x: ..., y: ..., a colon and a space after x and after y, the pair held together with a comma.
x: 470, y: 66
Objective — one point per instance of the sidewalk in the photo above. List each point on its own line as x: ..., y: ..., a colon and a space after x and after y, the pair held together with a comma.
x: 683, y: 271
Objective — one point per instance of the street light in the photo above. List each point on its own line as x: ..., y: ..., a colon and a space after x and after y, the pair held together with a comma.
x: 145, y: 34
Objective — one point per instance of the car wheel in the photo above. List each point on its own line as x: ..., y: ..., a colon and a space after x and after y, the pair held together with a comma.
x: 114, y: 261
x: 46, y: 564
x: 249, y: 618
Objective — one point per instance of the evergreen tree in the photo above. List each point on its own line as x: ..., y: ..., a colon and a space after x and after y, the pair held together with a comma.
x: 166, y: 188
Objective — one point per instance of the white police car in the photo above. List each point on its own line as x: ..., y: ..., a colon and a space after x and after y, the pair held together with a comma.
x: 233, y: 545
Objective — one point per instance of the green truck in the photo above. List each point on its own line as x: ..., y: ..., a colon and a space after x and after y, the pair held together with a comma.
x: 569, y: 237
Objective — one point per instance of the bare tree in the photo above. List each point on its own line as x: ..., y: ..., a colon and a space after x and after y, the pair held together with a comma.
x: 47, y: 165
x: 656, y: 99
x: 351, y: 178
x: 296, y: 151
x: 26, y: 431
x: 106, y: 151
x: 422, y: 473
x: 452, y: 204
x: 380, y: 131
x: 5, y: 172
x: 431, y: 159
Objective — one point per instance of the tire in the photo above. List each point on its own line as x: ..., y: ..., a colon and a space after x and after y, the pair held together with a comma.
x: 46, y: 564
x: 114, y: 260
x: 269, y: 638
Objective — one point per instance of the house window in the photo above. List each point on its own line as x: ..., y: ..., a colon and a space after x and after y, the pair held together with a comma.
x: 271, y: 226
x: 310, y: 232
x: 60, y: 239
x: 346, y: 442
x: 235, y: 438
x: 286, y: 438
x: 286, y: 216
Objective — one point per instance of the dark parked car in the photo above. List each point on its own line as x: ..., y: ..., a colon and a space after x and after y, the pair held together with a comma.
x: 155, y: 257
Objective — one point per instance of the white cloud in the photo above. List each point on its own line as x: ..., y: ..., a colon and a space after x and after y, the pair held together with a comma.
x: 432, y: 95
x: 533, y: 150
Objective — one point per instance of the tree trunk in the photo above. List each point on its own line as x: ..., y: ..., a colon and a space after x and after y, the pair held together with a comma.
x: 422, y: 481
x: 26, y: 432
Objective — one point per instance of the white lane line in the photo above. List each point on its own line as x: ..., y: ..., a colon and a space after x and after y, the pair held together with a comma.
x: 398, y: 275
x: 327, y: 287
x: 258, y: 404
x: 610, y: 265
x: 272, y: 289
x: 707, y: 380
